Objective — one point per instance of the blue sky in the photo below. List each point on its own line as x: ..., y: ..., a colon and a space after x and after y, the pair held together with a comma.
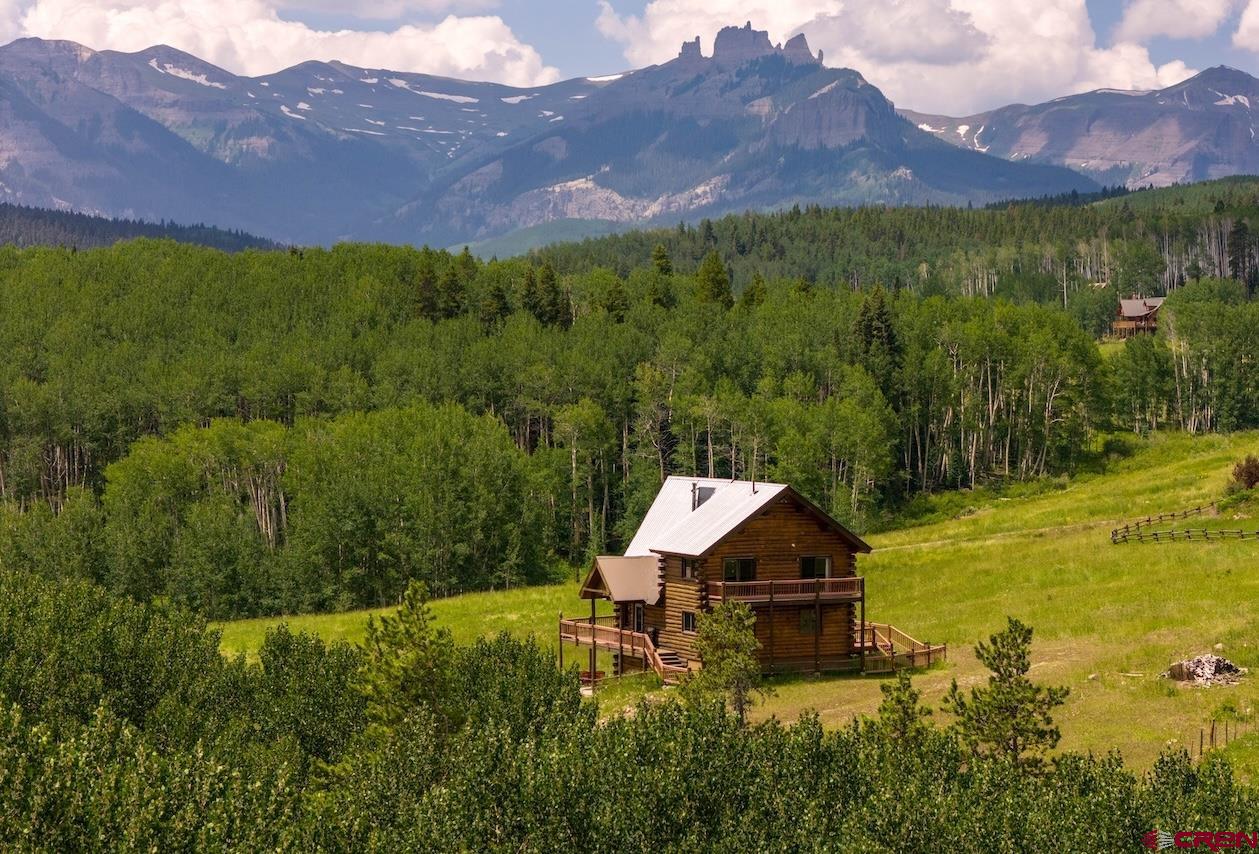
x: 955, y: 56
x: 564, y: 32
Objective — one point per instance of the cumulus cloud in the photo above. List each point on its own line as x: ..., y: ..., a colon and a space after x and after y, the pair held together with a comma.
x: 250, y: 37
x: 956, y: 56
x: 1247, y: 35
x: 387, y: 10
x: 924, y: 31
x: 1191, y: 19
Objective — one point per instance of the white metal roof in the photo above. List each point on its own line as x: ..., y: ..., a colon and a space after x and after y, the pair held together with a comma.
x: 671, y: 526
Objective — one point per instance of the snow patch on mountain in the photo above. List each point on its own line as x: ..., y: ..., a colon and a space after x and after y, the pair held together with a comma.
x: 829, y: 87
x: 518, y: 99
x: 184, y: 74
x: 1231, y: 100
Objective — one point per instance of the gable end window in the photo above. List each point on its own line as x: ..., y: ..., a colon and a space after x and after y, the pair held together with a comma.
x: 738, y: 569
x: 815, y: 566
x: 688, y: 622
x: 690, y: 568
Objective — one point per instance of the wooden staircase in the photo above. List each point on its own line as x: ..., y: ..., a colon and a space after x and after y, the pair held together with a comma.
x: 674, y: 665
x: 887, y: 649
x: 667, y: 663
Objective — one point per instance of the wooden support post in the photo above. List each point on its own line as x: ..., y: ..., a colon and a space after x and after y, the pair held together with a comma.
x: 817, y: 628
x: 862, y: 629
x: 771, y: 626
x: 593, y: 648
x: 620, y: 641
x: 561, y: 641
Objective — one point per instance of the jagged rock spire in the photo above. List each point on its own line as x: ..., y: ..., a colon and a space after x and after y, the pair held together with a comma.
x: 737, y: 45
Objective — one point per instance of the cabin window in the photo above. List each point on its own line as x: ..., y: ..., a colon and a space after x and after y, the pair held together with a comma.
x: 815, y: 566
x: 639, y: 621
x: 688, y: 622
x: 808, y: 622
x: 690, y: 568
x: 739, y: 569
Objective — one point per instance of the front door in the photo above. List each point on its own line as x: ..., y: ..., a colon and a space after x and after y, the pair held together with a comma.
x: 639, y: 621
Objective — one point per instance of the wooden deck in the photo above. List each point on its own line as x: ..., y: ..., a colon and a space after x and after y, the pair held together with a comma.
x: 880, y: 648
x: 601, y: 634
x: 850, y: 589
x: 888, y: 649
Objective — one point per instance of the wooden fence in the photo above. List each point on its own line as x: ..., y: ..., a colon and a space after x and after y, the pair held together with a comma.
x: 1201, y: 534
x: 1138, y: 531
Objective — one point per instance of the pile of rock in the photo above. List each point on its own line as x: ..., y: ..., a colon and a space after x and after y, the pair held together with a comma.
x: 1206, y: 670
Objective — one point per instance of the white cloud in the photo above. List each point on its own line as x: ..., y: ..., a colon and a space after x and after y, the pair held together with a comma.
x: 1188, y: 19
x: 955, y: 56
x: 1247, y: 35
x: 924, y: 31
x: 250, y: 37
x: 387, y: 10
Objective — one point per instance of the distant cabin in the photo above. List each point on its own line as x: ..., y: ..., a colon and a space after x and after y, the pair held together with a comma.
x: 705, y: 541
x: 1137, y: 315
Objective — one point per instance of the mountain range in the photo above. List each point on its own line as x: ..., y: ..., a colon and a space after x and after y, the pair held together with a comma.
x: 1197, y: 130
x: 325, y: 151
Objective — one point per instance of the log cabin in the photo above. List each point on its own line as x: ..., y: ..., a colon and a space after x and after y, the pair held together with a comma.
x: 705, y: 541
x: 1137, y: 315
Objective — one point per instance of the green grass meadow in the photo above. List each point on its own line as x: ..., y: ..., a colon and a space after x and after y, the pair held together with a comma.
x: 1108, y: 619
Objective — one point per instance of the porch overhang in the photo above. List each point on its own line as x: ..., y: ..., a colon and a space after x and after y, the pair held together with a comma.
x: 623, y: 579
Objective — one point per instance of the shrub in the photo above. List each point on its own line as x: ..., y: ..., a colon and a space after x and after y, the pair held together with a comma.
x: 1246, y: 473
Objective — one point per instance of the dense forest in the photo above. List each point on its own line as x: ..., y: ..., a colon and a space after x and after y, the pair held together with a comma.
x: 1146, y: 243
x: 271, y: 432
x: 123, y: 727
x: 26, y: 226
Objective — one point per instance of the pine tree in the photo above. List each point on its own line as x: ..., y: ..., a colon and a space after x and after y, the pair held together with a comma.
x: 424, y: 297
x: 494, y: 305
x: 660, y: 258
x: 615, y: 302
x: 660, y: 291
x: 1239, y: 250
x: 531, y: 295
x: 451, y: 293
x: 726, y: 643
x: 755, y: 293
x: 552, y: 303
x: 1011, y: 716
x: 713, y: 281
x: 406, y: 662
x: 879, y: 349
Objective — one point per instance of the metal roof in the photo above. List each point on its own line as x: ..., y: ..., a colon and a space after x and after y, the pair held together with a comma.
x: 1138, y: 308
x: 624, y: 579
x: 672, y: 527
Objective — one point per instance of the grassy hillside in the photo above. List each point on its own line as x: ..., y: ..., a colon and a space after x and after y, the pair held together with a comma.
x: 1108, y: 619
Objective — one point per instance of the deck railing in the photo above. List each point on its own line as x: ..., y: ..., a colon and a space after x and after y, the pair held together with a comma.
x: 623, y: 641
x: 790, y: 590
x: 887, y: 648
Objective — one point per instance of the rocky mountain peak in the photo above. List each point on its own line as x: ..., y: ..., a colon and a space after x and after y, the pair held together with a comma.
x: 737, y: 45
x: 797, y: 50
